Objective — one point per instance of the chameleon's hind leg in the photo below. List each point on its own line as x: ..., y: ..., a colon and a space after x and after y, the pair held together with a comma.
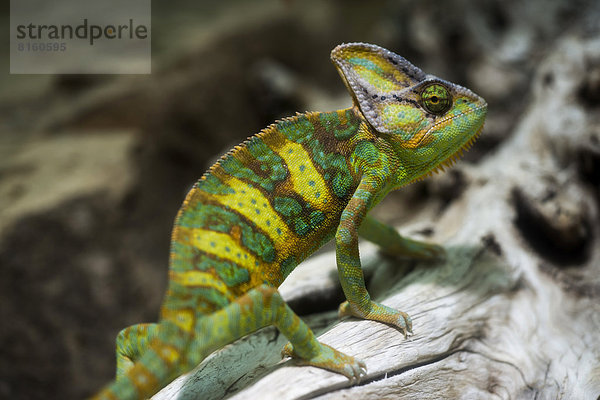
x: 132, y: 342
x: 393, y: 244
x: 261, y: 307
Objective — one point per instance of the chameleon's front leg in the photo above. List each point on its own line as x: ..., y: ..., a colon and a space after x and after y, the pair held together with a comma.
x: 393, y: 244
x: 359, y: 302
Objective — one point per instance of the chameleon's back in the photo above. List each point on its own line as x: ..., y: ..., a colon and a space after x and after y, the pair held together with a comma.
x: 263, y: 208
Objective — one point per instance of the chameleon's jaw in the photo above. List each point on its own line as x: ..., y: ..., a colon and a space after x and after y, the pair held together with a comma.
x: 451, y: 159
x: 457, y: 155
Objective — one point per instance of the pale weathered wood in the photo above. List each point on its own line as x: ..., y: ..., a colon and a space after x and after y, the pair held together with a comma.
x: 514, y: 310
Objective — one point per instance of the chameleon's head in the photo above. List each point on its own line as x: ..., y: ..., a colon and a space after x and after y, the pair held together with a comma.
x: 427, y: 121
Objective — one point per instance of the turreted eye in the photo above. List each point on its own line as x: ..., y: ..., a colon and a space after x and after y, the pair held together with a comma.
x: 436, y: 99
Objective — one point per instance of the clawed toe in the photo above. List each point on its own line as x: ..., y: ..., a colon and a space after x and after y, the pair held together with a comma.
x: 331, y: 359
x: 355, y: 371
x: 404, y: 324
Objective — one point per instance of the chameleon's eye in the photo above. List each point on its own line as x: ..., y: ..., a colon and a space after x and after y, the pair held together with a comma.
x: 436, y: 99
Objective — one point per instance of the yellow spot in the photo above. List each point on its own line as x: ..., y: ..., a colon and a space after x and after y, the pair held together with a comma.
x: 342, y: 117
x: 302, y: 171
x: 184, y: 319
x: 142, y: 379
x: 236, y: 232
x: 169, y: 354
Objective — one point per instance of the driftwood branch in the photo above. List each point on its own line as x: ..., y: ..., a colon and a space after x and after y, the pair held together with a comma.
x: 513, y: 311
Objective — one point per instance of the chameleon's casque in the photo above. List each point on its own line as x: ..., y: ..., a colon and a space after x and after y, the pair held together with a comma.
x: 276, y: 198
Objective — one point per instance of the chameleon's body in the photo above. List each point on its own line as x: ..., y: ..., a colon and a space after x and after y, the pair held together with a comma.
x: 276, y: 198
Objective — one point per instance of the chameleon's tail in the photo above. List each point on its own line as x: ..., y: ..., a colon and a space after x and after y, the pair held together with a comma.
x: 159, y: 365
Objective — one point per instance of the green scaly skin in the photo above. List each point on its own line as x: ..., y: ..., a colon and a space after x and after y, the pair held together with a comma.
x: 276, y: 198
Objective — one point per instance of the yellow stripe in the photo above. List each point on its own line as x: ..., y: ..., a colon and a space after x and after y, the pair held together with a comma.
x: 306, y: 180
x: 223, y: 246
x: 216, y: 243
x: 260, y: 213
x: 198, y: 278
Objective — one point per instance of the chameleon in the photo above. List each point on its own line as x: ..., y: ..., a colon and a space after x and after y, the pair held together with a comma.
x: 280, y: 195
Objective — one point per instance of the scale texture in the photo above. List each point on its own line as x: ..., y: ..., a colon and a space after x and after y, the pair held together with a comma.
x: 276, y: 198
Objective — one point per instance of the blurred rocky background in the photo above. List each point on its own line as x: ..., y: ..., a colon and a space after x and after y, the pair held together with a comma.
x: 93, y: 168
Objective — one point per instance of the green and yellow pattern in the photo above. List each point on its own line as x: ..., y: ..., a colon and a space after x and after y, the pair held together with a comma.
x: 279, y: 196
